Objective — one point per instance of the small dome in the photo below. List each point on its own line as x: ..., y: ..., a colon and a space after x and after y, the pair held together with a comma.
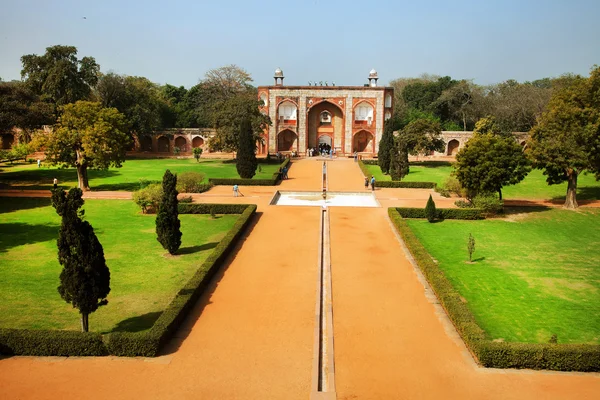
x: 373, y: 73
x: 278, y: 73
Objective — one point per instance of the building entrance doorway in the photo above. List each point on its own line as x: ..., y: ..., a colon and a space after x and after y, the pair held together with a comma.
x: 325, y: 126
x: 325, y: 143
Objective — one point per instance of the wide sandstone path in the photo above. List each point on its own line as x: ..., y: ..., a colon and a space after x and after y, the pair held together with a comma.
x: 392, y: 339
x: 249, y: 337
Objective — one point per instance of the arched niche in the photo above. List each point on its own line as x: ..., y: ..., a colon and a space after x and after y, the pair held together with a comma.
x: 287, y: 112
x: 453, y: 146
x: 164, y: 145
x: 286, y: 140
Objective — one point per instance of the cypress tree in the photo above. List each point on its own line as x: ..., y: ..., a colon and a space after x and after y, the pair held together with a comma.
x: 430, y: 210
x: 246, y: 157
x: 85, y: 278
x: 167, y: 219
x: 399, y: 160
x: 385, y: 147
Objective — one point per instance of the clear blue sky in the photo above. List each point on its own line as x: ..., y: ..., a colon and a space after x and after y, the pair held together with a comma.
x: 176, y: 42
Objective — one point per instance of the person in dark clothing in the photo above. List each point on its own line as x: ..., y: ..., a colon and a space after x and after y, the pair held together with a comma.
x: 366, y: 183
x: 372, y: 182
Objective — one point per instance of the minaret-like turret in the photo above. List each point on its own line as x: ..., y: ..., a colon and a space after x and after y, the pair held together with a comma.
x: 278, y: 77
x: 373, y: 78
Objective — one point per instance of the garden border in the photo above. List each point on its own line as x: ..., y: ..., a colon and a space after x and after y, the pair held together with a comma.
x: 147, y: 343
x: 395, y: 184
x: 275, y: 179
x: 559, y: 357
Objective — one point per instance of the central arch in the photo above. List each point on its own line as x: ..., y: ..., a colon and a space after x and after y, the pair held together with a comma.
x: 286, y: 140
x: 325, y: 119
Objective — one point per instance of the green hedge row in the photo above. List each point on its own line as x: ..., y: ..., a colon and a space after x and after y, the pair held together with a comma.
x: 33, y: 342
x: 561, y: 357
x: 146, y: 343
x: 442, y: 213
x: 251, y: 182
x: 394, y: 184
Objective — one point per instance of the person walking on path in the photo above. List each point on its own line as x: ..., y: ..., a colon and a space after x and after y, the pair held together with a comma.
x: 285, y: 172
x: 372, y: 183
x: 236, y: 190
x: 366, y: 183
x: 55, y: 181
x: 39, y: 162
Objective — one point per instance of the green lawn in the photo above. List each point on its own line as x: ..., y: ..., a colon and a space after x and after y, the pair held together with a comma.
x: 536, y: 274
x: 29, y: 176
x: 144, y: 278
x: 534, y: 186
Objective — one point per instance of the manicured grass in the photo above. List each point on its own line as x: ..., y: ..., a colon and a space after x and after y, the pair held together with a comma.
x: 144, y: 278
x: 29, y: 176
x: 534, y: 186
x: 535, y: 274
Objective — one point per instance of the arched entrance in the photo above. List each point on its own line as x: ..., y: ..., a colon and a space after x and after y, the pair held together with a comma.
x: 325, y: 143
x: 7, y: 141
x: 182, y: 144
x: 363, y: 142
x: 325, y: 126
x: 163, y: 145
x: 197, y: 142
x: 453, y: 147
x: 286, y: 140
x: 145, y: 143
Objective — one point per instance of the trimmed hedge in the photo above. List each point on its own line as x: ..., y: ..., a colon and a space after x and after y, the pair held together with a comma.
x: 394, y: 184
x: 560, y: 357
x: 47, y: 342
x: 146, y: 343
x: 442, y: 213
x: 251, y: 182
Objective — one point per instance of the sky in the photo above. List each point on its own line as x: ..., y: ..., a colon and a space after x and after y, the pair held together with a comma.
x: 176, y: 42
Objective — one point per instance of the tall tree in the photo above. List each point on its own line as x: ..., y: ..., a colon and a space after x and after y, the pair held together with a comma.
x: 566, y: 140
x: 85, y: 278
x: 385, y: 146
x: 246, y: 156
x: 490, y: 160
x: 168, y: 226
x: 230, y: 117
x: 399, y: 166
x: 59, y: 76
x: 422, y: 136
x: 21, y: 108
x: 88, y: 136
x: 228, y: 80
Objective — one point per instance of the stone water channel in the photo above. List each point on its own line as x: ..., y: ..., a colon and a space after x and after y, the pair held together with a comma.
x: 323, y: 373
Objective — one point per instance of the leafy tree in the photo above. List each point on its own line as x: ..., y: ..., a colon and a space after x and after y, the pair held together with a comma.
x: 167, y: 220
x: 197, y: 153
x: 424, y: 96
x: 471, y: 247
x: 465, y: 101
x: 230, y: 117
x: 21, y: 108
x: 399, y: 166
x: 385, y: 146
x: 85, y: 278
x: 246, y: 157
x: 430, y: 209
x: 490, y: 160
x: 59, y: 76
x: 149, y: 197
x: 566, y: 140
x: 88, y: 136
x: 422, y: 136
x: 228, y: 80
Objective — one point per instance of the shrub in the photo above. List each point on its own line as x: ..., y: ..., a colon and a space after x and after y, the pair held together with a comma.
x: 442, y: 213
x: 168, y: 226
x: 51, y: 343
x: 190, y: 182
x: 452, y: 185
x: 463, y: 204
x: 149, y: 197
x: 471, y: 247
x: 246, y: 155
x: 430, y: 212
x: 197, y: 151
x: 490, y: 203
x: 186, y: 199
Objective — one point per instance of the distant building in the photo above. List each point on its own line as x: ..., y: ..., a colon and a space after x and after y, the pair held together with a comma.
x: 346, y: 118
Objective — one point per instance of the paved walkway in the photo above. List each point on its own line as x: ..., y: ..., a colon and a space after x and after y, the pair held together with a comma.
x: 251, y: 335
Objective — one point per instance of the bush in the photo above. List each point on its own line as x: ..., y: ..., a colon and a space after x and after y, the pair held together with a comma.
x: 430, y: 212
x: 442, y: 213
x: 168, y: 226
x: 186, y: 199
x: 149, y: 197
x: 51, y: 343
x: 452, y: 185
x: 490, y: 203
x: 562, y: 357
x: 190, y: 182
x: 205, y: 208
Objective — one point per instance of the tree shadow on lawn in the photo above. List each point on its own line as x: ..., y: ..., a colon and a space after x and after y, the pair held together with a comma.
x: 10, y: 204
x: 137, y: 324
x: 512, y: 210
x: 15, y: 234
x: 116, y: 187
x: 583, y: 193
x: 42, y: 178
x: 196, y: 311
x: 195, y: 249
